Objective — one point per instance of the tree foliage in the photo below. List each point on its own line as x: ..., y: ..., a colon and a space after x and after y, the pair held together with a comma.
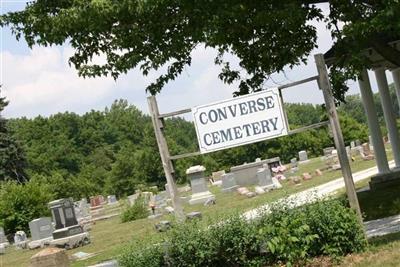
x: 12, y: 159
x: 114, y: 151
x: 265, y: 36
x: 21, y: 203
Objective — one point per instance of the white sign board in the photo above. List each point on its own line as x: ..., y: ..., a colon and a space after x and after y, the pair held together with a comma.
x: 238, y: 121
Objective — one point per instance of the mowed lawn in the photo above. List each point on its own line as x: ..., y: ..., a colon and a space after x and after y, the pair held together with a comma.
x: 110, y: 236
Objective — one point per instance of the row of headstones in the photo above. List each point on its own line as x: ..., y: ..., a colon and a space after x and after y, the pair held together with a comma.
x: 41, y: 232
x: 256, y: 173
x: 44, y: 231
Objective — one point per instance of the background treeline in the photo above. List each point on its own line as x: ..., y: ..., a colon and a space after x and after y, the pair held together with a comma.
x: 114, y: 151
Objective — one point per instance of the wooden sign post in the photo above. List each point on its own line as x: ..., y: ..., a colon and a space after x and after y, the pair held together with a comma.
x: 165, y: 157
x: 254, y: 105
x: 325, y: 86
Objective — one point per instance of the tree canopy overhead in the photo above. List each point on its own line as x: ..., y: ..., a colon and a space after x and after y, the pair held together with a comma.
x: 265, y: 35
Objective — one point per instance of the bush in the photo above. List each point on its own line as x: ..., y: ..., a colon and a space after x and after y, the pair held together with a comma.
x: 232, y: 243
x: 137, y: 255
x: 21, y: 203
x: 322, y: 228
x: 284, y: 236
x: 137, y: 211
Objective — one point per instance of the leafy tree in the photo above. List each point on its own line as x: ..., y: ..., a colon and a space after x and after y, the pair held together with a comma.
x: 303, y: 114
x: 114, y: 151
x: 353, y: 106
x: 12, y: 159
x: 21, y: 203
x: 153, y: 34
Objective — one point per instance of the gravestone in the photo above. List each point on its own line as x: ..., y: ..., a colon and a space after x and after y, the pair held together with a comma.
x: 366, y: 152
x: 277, y: 184
x: 41, y: 228
x: 294, y: 166
x: 303, y: 157
x: 265, y: 179
x: 96, y: 201
x: 306, y: 176
x: 335, y: 159
x: 68, y: 233
x: 228, y: 183
x: 3, y: 238
x: 259, y: 190
x: 352, y: 144
x: 366, y: 149
x: 82, y: 210
x: 194, y: 215
x: 246, y: 174
x: 200, y: 193
x: 112, y: 199
x: 243, y: 190
x: 385, y: 140
x: 358, y: 142
x: 251, y: 194
x: 217, y: 176
x: 296, y: 180
x: 20, y: 240
x: 41, y: 232
x: 370, y: 142
x: 328, y: 150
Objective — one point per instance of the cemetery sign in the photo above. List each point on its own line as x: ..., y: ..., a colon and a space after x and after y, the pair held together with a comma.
x: 239, y: 121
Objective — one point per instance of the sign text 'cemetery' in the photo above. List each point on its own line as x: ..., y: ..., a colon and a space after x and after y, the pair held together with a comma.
x: 238, y: 121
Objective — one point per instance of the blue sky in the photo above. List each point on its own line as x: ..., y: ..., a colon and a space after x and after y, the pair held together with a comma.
x: 40, y: 81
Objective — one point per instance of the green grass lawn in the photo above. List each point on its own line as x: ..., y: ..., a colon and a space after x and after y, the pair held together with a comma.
x: 382, y: 252
x: 110, y: 236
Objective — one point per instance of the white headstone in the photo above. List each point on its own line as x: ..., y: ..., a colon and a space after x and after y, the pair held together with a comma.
x: 200, y: 192
x: 228, y: 183
x: 352, y: 144
x: 20, y: 240
x: 303, y: 155
x: 265, y: 179
x: 3, y: 238
x: 41, y: 228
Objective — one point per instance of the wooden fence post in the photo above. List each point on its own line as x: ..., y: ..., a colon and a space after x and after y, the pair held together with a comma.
x: 325, y: 86
x: 165, y: 157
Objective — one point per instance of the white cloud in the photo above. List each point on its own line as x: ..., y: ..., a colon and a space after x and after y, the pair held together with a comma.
x: 43, y: 83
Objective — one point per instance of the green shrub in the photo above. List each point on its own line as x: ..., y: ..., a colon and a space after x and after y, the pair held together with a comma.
x: 337, y: 226
x: 136, y: 255
x: 232, y: 243
x: 322, y: 228
x: 137, y: 211
x: 284, y: 236
x: 21, y: 203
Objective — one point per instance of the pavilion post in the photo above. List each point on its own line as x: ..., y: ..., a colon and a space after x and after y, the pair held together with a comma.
x: 373, y: 123
x: 388, y: 112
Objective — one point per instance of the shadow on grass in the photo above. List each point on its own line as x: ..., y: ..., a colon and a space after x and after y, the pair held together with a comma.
x: 383, y: 240
x: 380, y: 203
